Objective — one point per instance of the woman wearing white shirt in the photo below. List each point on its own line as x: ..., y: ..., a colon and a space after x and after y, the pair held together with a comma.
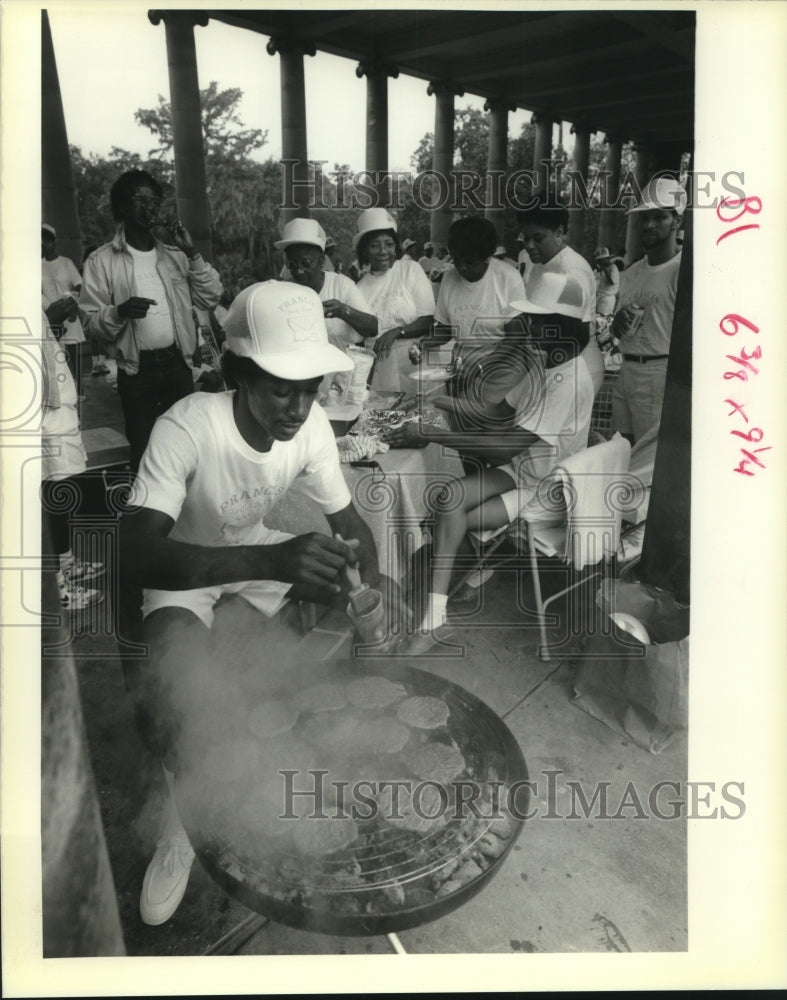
x: 396, y: 291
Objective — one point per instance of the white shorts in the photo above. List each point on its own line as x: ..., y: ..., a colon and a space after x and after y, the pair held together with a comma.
x: 63, y: 453
x: 267, y: 596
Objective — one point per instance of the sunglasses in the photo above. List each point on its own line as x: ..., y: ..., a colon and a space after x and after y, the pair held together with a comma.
x: 304, y: 264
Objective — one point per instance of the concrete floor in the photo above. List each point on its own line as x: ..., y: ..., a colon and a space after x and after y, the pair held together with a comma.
x: 587, y: 884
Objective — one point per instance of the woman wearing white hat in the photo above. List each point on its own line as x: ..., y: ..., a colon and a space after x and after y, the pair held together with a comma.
x: 522, y: 433
x: 397, y: 292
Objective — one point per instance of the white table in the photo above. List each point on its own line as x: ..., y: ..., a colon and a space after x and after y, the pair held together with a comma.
x: 393, y: 506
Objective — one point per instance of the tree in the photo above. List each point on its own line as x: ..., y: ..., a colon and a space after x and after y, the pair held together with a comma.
x: 224, y: 133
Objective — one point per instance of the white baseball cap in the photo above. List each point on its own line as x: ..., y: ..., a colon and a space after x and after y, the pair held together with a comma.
x: 307, y: 231
x: 280, y: 326
x: 406, y: 244
x: 49, y: 229
x: 664, y: 193
x: 499, y: 252
x: 552, y: 292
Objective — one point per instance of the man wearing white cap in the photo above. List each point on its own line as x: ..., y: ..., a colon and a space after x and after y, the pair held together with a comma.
x: 407, y: 246
x: 347, y: 316
x: 215, y: 465
x: 646, y: 306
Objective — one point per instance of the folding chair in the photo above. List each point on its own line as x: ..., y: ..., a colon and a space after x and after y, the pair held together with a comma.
x: 595, y: 490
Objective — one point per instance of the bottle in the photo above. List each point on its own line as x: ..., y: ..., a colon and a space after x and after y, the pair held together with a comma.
x: 367, y: 613
x: 366, y: 609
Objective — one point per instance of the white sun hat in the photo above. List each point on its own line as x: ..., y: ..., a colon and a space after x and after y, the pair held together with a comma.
x: 372, y: 220
x: 664, y: 193
x: 552, y: 292
x: 308, y: 231
x: 280, y: 327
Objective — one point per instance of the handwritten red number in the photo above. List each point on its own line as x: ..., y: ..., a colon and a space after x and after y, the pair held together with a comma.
x: 735, y: 320
x: 749, y: 458
x: 747, y: 203
x: 749, y: 436
x: 752, y: 204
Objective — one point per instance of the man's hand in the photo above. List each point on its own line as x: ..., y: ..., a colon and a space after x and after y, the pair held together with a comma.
x: 409, y: 435
x: 334, y: 309
x: 180, y: 236
x: 621, y: 322
x: 384, y: 343
x: 135, y: 307
x: 62, y: 310
x: 314, y: 562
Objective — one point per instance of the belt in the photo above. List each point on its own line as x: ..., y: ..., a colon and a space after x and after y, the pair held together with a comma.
x: 643, y: 359
x: 160, y: 354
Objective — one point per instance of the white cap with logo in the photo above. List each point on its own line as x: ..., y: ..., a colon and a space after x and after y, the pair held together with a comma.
x: 665, y: 193
x: 280, y: 326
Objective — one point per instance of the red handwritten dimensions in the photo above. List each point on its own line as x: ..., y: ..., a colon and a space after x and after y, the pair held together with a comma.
x: 743, y: 361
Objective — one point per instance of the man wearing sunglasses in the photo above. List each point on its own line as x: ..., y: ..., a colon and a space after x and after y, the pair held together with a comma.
x: 347, y: 315
x: 137, y: 293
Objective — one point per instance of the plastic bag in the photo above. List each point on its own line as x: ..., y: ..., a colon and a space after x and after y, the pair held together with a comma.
x: 640, y: 691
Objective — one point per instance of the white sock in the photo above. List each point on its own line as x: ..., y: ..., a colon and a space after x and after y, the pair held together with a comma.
x: 435, y: 612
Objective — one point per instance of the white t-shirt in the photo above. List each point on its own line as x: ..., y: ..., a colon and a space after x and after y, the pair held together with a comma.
x: 338, y: 286
x: 477, y: 310
x: 155, y: 330
x: 198, y: 469
x: 396, y: 297
x: 58, y: 278
x: 568, y: 261
x: 655, y: 289
x: 555, y: 404
x: 524, y: 259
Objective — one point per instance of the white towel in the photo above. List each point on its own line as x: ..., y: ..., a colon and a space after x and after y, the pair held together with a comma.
x: 594, y: 483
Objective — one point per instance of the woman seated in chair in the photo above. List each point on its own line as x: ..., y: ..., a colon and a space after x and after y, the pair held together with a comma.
x: 529, y: 407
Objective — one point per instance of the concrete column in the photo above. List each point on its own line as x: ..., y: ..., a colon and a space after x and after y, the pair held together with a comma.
x: 609, y: 213
x: 642, y: 173
x: 377, y: 125
x: 542, y: 153
x: 496, y: 164
x: 443, y: 156
x: 293, y: 126
x: 188, y: 145
x: 58, y: 196
x: 579, y: 165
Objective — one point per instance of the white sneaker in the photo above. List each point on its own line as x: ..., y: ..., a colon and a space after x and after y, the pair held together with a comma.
x: 168, y: 873
x: 76, y: 598
x: 83, y: 572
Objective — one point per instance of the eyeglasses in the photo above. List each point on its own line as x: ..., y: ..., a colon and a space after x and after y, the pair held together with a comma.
x: 304, y: 264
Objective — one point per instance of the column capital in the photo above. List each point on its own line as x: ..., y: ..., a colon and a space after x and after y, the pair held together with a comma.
x: 581, y: 126
x: 443, y: 88
x: 280, y: 44
x: 192, y: 17
x: 499, y: 104
x: 540, y: 117
x: 371, y: 68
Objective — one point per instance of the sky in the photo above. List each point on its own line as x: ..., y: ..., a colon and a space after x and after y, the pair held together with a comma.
x: 122, y: 56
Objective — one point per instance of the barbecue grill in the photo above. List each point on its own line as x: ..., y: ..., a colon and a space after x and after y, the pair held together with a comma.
x: 388, y: 877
